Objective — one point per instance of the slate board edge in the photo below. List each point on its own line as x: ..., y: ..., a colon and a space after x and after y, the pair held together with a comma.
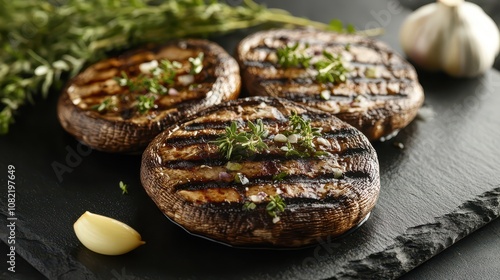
x: 411, y: 249
x: 420, y: 243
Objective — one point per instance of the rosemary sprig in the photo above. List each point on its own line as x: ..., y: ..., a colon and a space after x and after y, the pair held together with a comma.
x: 43, y: 43
x: 235, y: 144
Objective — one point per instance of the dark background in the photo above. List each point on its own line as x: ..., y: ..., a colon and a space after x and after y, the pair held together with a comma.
x: 475, y: 257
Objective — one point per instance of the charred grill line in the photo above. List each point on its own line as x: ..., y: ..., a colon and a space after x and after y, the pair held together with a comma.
x: 308, y: 81
x: 291, y: 202
x: 268, y: 64
x: 315, y: 97
x: 207, y: 138
x: 289, y: 180
x: 318, y: 43
x: 222, y: 125
x: 218, y: 161
x: 188, y: 141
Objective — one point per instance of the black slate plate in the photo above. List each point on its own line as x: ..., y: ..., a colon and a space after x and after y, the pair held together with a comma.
x: 443, y: 185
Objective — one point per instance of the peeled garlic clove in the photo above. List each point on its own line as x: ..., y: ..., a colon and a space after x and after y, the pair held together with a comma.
x: 105, y: 235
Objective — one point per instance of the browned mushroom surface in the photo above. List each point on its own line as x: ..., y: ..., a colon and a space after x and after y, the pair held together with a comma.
x: 380, y: 94
x: 120, y: 104
x: 309, y: 176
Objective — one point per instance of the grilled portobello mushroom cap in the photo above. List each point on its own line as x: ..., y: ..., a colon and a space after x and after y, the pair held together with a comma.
x: 381, y: 93
x: 192, y: 183
x: 102, y: 105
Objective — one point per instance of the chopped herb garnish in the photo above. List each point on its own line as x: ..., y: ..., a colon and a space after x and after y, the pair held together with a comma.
x: 150, y: 85
x: 241, y: 179
x: 106, y: 104
x: 237, y: 145
x: 163, y: 74
x: 249, y: 206
x: 330, y: 69
x: 325, y: 94
x: 299, y: 142
x: 145, y: 103
x: 275, y: 206
x: 337, y: 173
x: 292, y: 56
x: 280, y: 176
x: 123, y: 187
x: 168, y: 71
x: 196, y: 63
x: 303, y: 128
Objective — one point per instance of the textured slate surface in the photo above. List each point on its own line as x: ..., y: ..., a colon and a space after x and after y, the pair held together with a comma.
x: 442, y: 186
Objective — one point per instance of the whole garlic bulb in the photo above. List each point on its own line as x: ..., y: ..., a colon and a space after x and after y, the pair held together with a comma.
x: 455, y: 36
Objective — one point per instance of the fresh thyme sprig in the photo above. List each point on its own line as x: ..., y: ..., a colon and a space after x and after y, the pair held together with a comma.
x: 154, y: 84
x: 155, y: 81
x: 235, y: 144
x: 44, y: 43
x: 292, y: 56
x: 304, y: 135
x: 331, y: 69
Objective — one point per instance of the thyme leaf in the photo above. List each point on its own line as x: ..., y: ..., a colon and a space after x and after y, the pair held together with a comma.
x: 196, y: 64
x: 123, y: 187
x: 145, y: 103
x: 280, y: 176
x: 275, y: 206
x: 331, y: 69
x: 107, y: 104
x: 235, y: 144
x: 305, y: 134
x: 292, y: 56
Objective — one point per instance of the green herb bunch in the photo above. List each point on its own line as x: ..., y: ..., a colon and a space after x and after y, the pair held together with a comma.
x: 45, y: 42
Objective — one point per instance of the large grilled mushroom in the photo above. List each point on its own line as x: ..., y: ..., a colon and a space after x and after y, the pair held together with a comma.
x: 311, y: 177
x: 120, y: 104
x: 380, y: 95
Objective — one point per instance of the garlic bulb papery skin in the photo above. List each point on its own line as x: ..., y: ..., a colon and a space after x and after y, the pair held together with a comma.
x: 455, y: 36
x: 105, y: 235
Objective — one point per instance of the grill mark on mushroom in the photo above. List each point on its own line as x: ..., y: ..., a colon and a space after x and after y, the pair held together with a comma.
x: 387, y: 83
x: 188, y: 179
